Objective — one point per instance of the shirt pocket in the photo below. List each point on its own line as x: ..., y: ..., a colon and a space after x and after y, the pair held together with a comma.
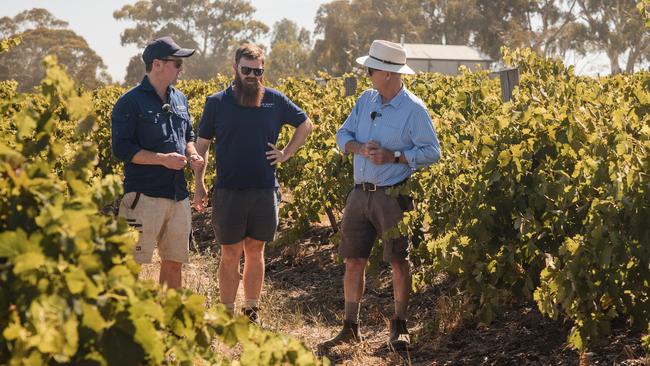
x: 152, y: 130
x: 391, y: 137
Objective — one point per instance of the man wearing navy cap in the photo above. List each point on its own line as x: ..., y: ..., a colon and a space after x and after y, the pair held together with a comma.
x: 152, y: 134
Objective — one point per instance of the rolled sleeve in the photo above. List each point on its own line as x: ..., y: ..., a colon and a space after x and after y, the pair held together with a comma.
x: 426, y: 150
x: 123, y: 123
x: 190, y: 136
x: 346, y: 133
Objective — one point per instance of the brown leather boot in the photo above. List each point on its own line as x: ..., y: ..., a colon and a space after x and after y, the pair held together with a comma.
x: 399, y: 339
x: 349, y: 334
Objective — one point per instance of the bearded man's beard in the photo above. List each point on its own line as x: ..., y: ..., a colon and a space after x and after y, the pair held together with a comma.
x: 249, y: 94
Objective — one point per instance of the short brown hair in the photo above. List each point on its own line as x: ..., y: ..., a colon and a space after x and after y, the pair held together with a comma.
x: 250, y: 52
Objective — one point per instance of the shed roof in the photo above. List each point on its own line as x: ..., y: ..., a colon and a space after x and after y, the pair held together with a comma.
x: 422, y: 51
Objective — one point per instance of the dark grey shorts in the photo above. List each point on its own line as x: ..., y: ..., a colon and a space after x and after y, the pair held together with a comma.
x: 242, y: 213
x: 367, y: 215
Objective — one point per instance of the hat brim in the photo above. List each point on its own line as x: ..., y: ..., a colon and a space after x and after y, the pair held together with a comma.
x: 184, y: 52
x: 376, y: 64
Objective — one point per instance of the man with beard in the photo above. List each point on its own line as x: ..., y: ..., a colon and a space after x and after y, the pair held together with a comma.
x: 152, y: 134
x: 245, y: 120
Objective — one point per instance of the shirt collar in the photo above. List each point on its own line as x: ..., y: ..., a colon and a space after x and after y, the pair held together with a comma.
x: 395, y: 102
x: 146, y: 85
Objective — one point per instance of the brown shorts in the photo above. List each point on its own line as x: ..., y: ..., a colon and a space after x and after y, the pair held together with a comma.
x: 160, y: 221
x: 368, y: 214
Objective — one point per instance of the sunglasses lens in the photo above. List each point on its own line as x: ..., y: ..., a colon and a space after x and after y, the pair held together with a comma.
x: 247, y: 70
x: 177, y: 62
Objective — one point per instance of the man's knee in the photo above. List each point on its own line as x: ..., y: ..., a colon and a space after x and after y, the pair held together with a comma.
x: 171, y: 265
x: 400, y: 266
x: 355, y: 264
x: 230, y: 253
x: 253, y: 248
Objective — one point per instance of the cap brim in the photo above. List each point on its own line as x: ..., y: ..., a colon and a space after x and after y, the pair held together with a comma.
x: 375, y: 64
x: 184, y: 52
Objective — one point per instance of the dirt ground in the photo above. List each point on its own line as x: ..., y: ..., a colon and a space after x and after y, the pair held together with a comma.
x: 303, y: 297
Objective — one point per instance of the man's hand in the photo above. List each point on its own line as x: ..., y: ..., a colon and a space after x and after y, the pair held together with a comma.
x: 379, y: 155
x: 275, y: 155
x: 200, y: 198
x: 196, y: 161
x: 174, y: 161
x: 368, y: 147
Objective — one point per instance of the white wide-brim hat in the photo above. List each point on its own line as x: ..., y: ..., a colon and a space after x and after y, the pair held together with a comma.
x: 386, y: 56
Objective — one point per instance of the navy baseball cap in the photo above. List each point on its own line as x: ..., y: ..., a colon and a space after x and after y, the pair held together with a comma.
x: 164, y: 47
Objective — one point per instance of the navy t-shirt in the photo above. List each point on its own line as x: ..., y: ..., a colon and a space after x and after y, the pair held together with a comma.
x: 242, y: 133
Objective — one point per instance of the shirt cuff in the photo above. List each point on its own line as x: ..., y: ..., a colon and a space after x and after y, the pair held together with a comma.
x: 409, y: 155
x: 129, y: 152
x: 342, y: 141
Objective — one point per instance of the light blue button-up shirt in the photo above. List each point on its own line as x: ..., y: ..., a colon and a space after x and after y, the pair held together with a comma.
x: 403, y: 124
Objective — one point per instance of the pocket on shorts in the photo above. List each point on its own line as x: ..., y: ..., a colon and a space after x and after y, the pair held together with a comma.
x: 127, y: 201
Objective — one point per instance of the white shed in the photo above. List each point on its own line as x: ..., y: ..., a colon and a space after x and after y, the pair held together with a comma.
x: 444, y: 59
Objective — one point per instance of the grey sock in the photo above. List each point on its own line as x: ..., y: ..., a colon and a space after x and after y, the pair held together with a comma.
x: 230, y: 308
x: 400, y: 309
x: 352, y: 312
x: 251, y: 303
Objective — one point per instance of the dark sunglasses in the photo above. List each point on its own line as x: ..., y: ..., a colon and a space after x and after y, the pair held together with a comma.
x: 247, y: 70
x: 371, y: 70
x: 177, y: 62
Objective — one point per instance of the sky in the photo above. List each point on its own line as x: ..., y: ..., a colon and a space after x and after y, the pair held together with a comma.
x: 93, y: 20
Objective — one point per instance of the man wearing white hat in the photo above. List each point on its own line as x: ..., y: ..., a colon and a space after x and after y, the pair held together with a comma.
x: 390, y: 133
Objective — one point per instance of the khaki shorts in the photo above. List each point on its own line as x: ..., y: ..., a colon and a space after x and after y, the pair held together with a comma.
x: 160, y: 221
x: 367, y: 215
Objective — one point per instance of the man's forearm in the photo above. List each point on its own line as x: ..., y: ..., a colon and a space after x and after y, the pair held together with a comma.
x: 146, y: 157
x: 199, y: 174
x: 191, y: 149
x: 202, y: 148
x: 299, y: 137
x: 353, y: 146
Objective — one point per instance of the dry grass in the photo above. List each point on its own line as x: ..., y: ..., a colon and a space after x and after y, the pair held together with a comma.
x: 303, y: 297
x: 282, y: 312
x: 199, y: 275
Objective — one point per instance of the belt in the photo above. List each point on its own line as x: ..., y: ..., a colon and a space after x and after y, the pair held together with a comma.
x: 369, y: 187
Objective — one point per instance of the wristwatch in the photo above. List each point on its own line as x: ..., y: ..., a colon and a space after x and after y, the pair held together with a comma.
x: 397, y: 155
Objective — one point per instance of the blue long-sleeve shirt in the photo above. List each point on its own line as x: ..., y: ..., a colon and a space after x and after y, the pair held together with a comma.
x: 403, y: 124
x: 139, y: 122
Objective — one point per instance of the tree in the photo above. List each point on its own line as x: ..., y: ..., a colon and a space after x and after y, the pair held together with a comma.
x: 389, y: 20
x: 615, y: 28
x: 290, y: 49
x: 644, y: 10
x: 213, y: 27
x: 550, y: 27
x: 348, y: 29
x: 335, y: 52
x: 42, y: 34
x: 134, y: 70
x: 450, y: 21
